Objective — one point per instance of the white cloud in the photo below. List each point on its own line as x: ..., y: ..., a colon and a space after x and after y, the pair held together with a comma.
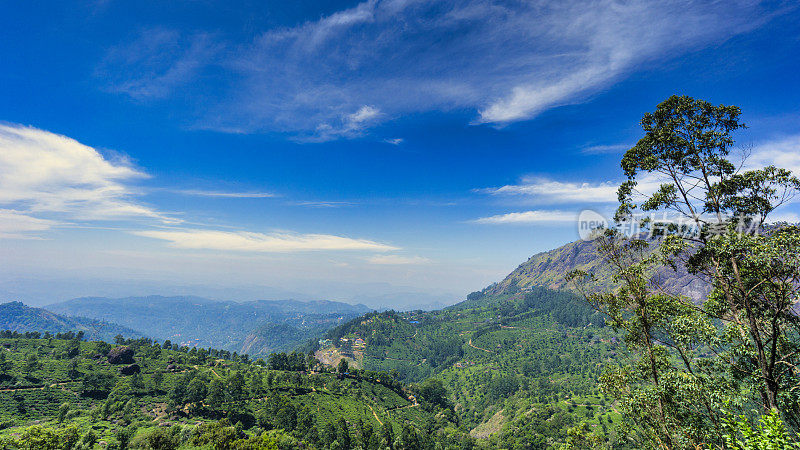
x: 786, y: 216
x: 49, y: 180
x: 530, y: 100
x: 550, y: 191
x: 242, y: 241
x: 392, y: 260
x: 394, y: 141
x: 223, y: 194
x: 506, y: 61
x: 784, y: 152
x: 363, y: 115
x: 17, y: 225
x: 349, y: 125
x: 542, y: 190
x: 45, y: 173
x: 529, y: 217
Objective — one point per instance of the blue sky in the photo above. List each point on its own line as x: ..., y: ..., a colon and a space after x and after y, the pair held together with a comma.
x: 346, y: 149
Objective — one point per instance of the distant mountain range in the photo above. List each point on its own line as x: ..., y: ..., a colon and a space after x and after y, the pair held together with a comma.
x: 16, y: 316
x: 549, y: 269
x: 255, y: 327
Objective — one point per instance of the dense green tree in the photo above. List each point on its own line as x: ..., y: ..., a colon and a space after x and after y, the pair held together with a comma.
x: 754, y: 271
x: 63, y: 410
x: 41, y: 438
x: 235, y: 385
x: 343, y: 366
x: 124, y: 436
x: 32, y: 364
x: 157, y: 378
x: 196, y: 390
x: 99, y: 382
x: 387, y: 433
x: 769, y: 434
x: 712, y: 222
x: 216, y: 393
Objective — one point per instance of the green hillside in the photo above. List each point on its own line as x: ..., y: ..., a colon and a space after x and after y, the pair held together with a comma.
x: 521, y: 370
x: 16, y: 316
x: 137, y: 393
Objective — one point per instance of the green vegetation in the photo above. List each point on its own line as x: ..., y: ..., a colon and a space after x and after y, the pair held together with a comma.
x: 57, y: 391
x: 16, y: 316
x: 741, y: 347
x: 519, y: 370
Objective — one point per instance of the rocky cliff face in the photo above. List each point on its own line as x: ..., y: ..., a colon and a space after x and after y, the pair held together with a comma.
x: 550, y: 268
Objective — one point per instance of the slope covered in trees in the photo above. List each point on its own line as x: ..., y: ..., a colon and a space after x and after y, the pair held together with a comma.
x: 16, y: 316
x: 519, y: 368
x: 139, y: 394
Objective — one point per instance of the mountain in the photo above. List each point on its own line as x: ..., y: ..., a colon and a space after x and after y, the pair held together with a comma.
x: 197, y: 321
x: 549, y: 269
x: 16, y: 316
x: 272, y: 337
x: 520, y: 359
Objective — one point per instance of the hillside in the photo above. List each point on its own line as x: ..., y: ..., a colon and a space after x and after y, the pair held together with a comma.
x: 549, y: 269
x: 520, y: 369
x: 143, y: 395
x: 196, y: 321
x: 272, y: 337
x: 16, y: 316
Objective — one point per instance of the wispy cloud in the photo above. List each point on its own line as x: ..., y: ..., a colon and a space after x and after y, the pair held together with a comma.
x: 394, y: 141
x: 260, y: 242
x: 322, y: 204
x: 529, y: 217
x: 224, y: 194
x: 340, y: 74
x: 544, y: 190
x: 541, y: 190
x: 18, y: 225
x: 397, y: 260
x: 605, y: 149
x: 156, y: 63
x: 45, y: 175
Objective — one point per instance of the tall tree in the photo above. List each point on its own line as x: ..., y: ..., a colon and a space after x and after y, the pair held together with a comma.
x: 754, y: 271
x: 711, y: 217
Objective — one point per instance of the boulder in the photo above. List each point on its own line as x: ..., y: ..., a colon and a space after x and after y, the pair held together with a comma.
x: 121, y: 355
x: 130, y: 370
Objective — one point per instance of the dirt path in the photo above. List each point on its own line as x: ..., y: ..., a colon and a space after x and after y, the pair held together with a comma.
x: 470, y: 344
x: 375, y: 414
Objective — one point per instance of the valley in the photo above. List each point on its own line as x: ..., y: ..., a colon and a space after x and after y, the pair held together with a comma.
x: 255, y: 327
